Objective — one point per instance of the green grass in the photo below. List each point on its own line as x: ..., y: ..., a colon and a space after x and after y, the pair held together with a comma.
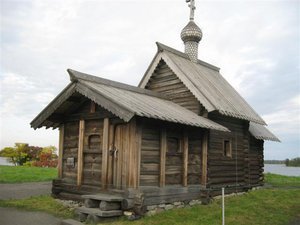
x: 260, y: 207
x: 40, y: 203
x: 19, y: 174
x: 272, y: 206
x: 282, y: 181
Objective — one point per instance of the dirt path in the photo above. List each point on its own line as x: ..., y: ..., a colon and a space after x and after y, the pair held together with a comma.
x: 24, y: 190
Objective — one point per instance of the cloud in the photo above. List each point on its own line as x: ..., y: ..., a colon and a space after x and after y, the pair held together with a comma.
x: 256, y: 44
x: 286, y: 118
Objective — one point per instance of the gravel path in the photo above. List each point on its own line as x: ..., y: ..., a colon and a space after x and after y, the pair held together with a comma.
x: 24, y: 190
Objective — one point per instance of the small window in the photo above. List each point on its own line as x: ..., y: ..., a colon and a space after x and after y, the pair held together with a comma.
x: 227, y: 148
x: 173, y: 145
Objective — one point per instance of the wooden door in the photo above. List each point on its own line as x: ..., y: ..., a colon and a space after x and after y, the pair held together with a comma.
x: 118, y: 154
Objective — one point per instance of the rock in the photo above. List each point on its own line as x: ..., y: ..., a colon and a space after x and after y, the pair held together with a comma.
x: 168, y: 207
x: 151, y: 213
x: 162, y: 205
x: 177, y: 203
x: 151, y: 207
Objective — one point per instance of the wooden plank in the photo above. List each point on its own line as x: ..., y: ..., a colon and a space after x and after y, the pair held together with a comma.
x: 110, y: 156
x: 163, y: 150
x: 93, y: 107
x: 138, y: 153
x: 80, y: 152
x: 185, y: 158
x: 204, y: 158
x: 60, y: 150
x: 105, y: 149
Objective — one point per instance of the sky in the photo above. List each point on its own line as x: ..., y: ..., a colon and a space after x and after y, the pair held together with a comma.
x: 255, y: 43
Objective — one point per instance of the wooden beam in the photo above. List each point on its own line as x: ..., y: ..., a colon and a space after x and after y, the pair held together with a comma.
x: 163, y: 151
x: 105, y: 153
x: 110, y: 156
x: 60, y: 151
x: 185, y: 158
x: 204, y: 158
x: 80, y: 152
x: 138, y: 152
x: 93, y: 107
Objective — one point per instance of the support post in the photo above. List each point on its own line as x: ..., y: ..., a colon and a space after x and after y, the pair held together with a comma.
x: 105, y: 153
x: 60, y: 151
x: 80, y: 152
x: 204, y: 158
x: 163, y: 150
x: 185, y: 158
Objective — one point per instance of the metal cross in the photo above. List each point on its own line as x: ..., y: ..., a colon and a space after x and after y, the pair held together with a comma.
x: 192, y: 8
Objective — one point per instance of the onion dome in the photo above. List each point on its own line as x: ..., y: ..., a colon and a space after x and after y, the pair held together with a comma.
x: 191, y: 32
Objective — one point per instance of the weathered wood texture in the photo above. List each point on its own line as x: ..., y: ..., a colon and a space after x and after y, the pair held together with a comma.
x: 194, y: 156
x: 224, y: 170
x: 92, y: 152
x: 165, y: 81
x: 174, y: 156
x: 70, y: 150
x: 150, y: 154
x: 256, y: 161
x: 105, y: 153
x: 126, y: 155
x: 170, y: 154
x: 60, y: 151
x: 80, y: 152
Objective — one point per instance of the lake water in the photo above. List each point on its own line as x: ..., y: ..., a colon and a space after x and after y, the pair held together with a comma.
x: 4, y: 162
x: 281, y: 169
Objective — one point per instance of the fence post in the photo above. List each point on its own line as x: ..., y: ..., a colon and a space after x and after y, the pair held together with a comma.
x: 223, y: 207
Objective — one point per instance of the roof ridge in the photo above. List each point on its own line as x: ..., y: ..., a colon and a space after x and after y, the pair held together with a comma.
x: 162, y: 47
x: 76, y: 76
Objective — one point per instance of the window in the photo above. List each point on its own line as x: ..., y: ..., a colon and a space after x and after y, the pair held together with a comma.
x: 227, y: 148
x: 173, y: 145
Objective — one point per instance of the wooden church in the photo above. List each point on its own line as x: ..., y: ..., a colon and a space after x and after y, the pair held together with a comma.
x: 182, y: 134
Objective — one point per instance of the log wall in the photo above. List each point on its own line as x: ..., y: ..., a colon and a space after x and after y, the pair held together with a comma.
x: 165, y: 81
x: 150, y: 155
x: 228, y: 170
x: 70, y: 150
x: 256, y: 162
x: 166, y: 164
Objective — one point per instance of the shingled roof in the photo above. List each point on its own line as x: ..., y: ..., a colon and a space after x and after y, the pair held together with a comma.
x: 124, y: 101
x: 261, y: 132
x: 206, y: 84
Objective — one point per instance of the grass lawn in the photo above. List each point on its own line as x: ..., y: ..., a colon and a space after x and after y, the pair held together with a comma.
x: 40, y: 203
x: 273, y: 206
x: 282, y: 181
x: 19, y: 174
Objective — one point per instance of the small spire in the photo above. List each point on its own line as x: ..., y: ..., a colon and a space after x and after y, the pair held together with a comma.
x: 191, y: 35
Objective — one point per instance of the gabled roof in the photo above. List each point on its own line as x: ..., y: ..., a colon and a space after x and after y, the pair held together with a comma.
x: 206, y: 84
x: 125, y: 102
x: 261, y: 132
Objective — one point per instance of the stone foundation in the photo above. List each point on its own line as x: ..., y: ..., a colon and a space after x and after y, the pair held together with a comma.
x: 154, y: 209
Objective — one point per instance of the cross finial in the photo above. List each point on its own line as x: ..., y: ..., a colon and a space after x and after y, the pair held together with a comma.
x: 192, y: 8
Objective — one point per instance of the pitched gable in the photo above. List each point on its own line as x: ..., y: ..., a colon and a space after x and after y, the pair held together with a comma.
x: 205, y: 82
x: 165, y: 81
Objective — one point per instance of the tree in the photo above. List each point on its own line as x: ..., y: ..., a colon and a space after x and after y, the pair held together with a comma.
x: 10, y: 153
x: 17, y: 155
x: 287, y: 162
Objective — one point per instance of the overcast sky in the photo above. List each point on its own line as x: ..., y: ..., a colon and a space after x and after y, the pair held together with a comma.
x: 255, y: 43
